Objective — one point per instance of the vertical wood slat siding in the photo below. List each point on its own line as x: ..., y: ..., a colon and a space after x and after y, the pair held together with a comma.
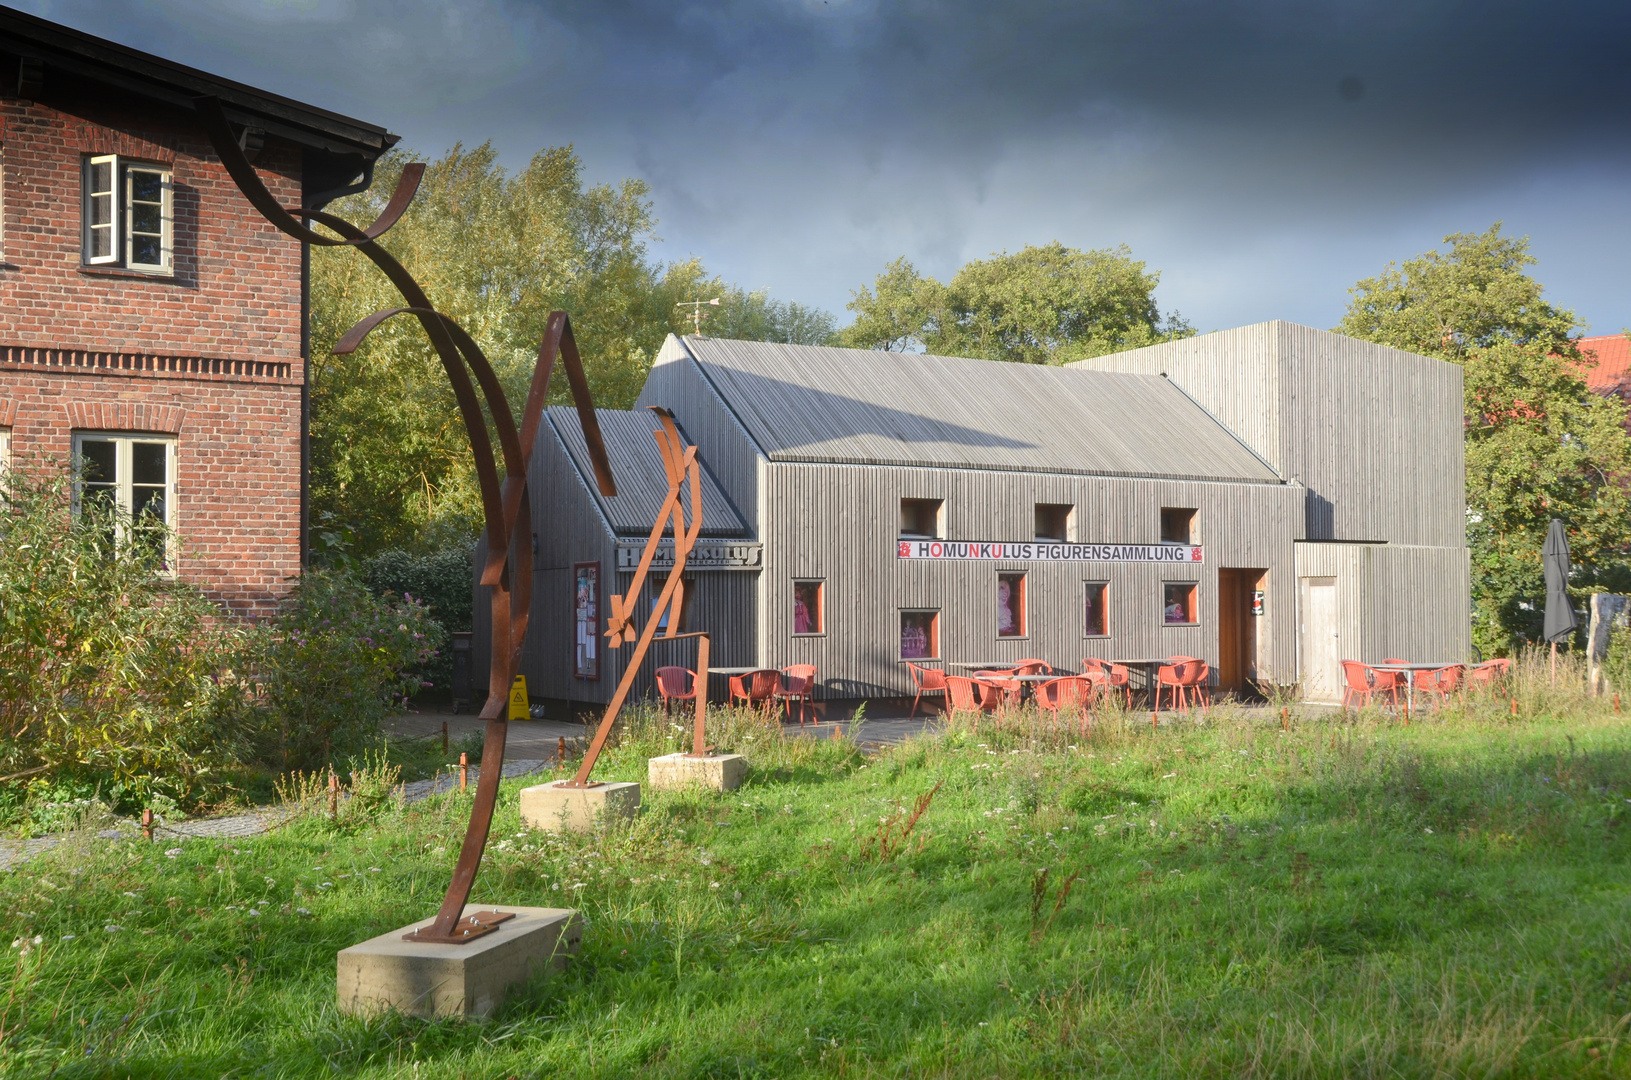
x: 1374, y: 433
x: 840, y: 523
x: 1395, y: 600
x: 676, y: 384
x: 570, y: 530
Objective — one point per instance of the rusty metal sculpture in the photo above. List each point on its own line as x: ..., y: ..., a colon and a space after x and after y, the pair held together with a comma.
x: 505, y: 507
x: 680, y: 463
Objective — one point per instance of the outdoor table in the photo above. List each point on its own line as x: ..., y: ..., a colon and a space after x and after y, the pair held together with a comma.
x: 1410, y: 681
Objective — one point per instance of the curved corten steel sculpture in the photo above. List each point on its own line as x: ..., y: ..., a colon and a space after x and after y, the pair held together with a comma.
x: 505, y: 506
x: 680, y: 463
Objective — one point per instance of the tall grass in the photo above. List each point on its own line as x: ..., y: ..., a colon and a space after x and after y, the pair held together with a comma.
x: 1347, y: 895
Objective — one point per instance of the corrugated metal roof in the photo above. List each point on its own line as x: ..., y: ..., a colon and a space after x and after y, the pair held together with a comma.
x: 810, y: 403
x: 637, y: 465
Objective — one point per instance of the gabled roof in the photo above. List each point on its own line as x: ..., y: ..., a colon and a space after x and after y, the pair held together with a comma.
x: 1613, y: 355
x: 810, y: 403
x: 81, y: 57
x: 637, y: 465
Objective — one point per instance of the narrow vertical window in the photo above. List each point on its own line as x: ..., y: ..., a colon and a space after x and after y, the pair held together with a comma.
x: 147, y: 236
x: 5, y: 449
x: 1011, y: 605
x: 681, y: 602
x: 919, y: 635
x: 808, y: 616
x: 102, y: 209
x: 1096, y: 622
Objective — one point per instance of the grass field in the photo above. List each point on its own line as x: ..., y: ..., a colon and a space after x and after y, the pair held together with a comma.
x: 1352, y: 897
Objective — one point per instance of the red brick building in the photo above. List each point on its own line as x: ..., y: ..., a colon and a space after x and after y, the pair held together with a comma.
x: 153, y: 328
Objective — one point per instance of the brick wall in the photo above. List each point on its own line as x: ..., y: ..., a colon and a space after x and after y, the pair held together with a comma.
x: 210, y: 355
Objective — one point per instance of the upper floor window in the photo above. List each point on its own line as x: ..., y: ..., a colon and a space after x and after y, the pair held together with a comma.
x: 1054, y: 521
x: 922, y: 519
x: 128, y: 214
x: 1178, y: 525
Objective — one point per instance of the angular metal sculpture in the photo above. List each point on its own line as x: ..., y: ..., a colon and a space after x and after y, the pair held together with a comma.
x: 505, y: 507
x: 680, y: 463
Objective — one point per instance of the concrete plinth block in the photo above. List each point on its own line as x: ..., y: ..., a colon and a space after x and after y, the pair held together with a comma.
x: 567, y: 809
x: 431, y: 980
x: 721, y: 772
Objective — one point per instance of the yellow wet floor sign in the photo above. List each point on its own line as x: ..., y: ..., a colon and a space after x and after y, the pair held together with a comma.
x: 518, y: 699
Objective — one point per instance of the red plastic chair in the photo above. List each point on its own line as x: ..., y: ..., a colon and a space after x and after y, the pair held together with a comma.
x: 1178, y: 680
x: 676, y: 684
x: 1033, y: 667
x: 1489, y: 674
x: 971, y: 695
x: 928, y: 681
x: 1200, y: 683
x: 1073, y: 692
x: 1399, y: 679
x: 1441, y: 682
x: 797, y: 683
x: 1115, y: 676
x: 1366, y: 682
x: 755, y: 688
x: 1010, y: 688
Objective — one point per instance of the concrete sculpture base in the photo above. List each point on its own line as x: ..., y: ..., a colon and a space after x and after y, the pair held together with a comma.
x: 565, y: 809
x: 470, y: 980
x: 721, y: 772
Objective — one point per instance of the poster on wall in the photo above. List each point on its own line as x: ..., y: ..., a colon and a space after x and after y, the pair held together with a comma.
x: 585, y: 615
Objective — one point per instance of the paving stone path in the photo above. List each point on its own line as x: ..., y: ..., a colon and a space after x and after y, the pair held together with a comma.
x: 253, y: 823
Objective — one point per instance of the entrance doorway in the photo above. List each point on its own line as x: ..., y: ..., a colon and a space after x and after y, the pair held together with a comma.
x: 1321, y: 667
x: 1237, y: 627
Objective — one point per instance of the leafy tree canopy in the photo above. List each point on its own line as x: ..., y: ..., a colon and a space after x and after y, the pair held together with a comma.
x: 1041, y: 305
x: 391, y: 466
x: 1539, y: 444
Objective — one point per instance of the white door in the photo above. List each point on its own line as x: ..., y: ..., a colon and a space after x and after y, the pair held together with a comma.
x: 1322, y: 670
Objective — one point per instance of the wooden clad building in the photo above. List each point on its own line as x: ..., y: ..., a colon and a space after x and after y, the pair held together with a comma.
x: 862, y: 508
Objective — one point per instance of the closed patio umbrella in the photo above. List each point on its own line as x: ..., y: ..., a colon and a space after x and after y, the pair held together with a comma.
x: 1554, y: 559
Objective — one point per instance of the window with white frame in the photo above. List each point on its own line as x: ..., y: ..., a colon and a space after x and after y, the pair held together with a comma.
x: 128, y: 214
x: 132, y: 480
x: 5, y: 448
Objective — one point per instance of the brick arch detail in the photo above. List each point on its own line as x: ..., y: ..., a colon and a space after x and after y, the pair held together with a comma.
x: 125, y: 416
x: 8, y: 412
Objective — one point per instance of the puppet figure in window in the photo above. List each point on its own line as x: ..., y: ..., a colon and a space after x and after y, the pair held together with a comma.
x: 1175, y: 611
x: 806, y: 607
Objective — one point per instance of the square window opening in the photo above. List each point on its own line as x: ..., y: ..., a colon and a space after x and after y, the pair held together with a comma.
x: 1011, y: 605
x: 1055, y: 521
x: 920, y: 635
x: 922, y: 519
x: 1179, y: 606
x: 1178, y: 526
x: 809, y: 615
x: 1096, y: 620
x: 681, y: 601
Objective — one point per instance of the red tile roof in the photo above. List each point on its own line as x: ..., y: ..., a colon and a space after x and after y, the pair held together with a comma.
x: 1613, y: 354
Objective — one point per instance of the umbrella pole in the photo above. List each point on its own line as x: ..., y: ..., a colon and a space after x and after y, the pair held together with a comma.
x: 1554, y: 663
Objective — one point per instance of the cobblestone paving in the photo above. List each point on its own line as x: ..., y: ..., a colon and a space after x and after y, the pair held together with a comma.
x: 255, y: 822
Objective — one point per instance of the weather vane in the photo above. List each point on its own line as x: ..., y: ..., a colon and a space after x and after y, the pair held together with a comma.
x: 696, y: 307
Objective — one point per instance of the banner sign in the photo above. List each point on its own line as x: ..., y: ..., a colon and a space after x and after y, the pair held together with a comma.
x: 704, y: 556
x: 1048, y: 551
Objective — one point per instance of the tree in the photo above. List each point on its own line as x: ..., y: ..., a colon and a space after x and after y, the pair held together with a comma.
x: 1539, y: 444
x: 1042, y: 305
x: 391, y: 467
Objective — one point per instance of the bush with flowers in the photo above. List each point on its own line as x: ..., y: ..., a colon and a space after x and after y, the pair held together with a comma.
x: 322, y: 674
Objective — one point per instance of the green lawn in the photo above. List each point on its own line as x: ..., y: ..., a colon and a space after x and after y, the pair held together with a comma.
x: 1344, y: 899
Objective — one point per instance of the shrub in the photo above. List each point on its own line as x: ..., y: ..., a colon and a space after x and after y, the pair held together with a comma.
x: 107, y: 670
x: 441, y: 580
x: 329, y: 667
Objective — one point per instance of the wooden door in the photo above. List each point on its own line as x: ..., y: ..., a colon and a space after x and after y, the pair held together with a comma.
x: 1237, y: 630
x: 1322, y: 670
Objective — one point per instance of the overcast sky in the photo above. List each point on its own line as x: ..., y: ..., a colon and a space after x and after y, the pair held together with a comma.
x: 1262, y: 155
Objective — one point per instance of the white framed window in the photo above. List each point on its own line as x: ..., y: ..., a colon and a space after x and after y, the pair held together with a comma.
x: 133, y: 477
x: 5, y: 449
x: 129, y: 214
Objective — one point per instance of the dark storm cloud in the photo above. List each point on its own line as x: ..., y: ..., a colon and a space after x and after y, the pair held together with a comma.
x: 1263, y: 155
